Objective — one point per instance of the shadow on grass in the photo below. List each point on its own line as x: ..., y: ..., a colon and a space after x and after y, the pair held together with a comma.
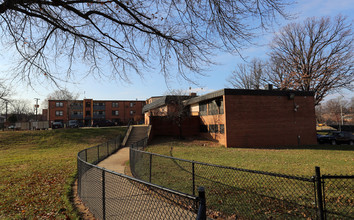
x: 171, y: 141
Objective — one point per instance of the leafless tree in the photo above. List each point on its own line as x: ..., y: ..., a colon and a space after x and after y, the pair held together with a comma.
x: 62, y: 94
x: 4, y: 92
x: 316, y: 55
x: 334, y: 111
x: 22, y: 109
x: 176, y: 111
x: 249, y: 76
x: 131, y: 34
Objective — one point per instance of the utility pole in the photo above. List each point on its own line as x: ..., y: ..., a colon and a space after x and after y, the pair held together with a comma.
x: 36, y: 107
x: 6, y: 102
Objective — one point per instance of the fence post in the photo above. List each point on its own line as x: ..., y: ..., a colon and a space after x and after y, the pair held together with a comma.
x: 79, y: 173
x: 86, y: 155
x: 98, y: 153
x: 150, y: 167
x: 193, y: 179
x: 319, y: 193
x: 103, y: 195
x: 202, y: 205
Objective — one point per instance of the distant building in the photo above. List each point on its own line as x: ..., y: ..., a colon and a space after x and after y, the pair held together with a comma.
x: 243, y: 118
x: 88, y: 111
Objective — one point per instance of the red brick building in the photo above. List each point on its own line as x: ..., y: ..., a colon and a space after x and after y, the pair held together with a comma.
x: 253, y: 118
x: 88, y: 111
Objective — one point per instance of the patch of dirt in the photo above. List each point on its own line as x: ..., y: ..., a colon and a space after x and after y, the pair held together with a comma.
x: 84, y: 212
x: 82, y: 209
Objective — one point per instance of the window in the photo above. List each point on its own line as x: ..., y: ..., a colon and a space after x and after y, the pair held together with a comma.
x: 77, y: 113
x: 213, y: 108
x: 132, y: 112
x: 58, y: 113
x: 132, y: 104
x: 88, y: 113
x: 115, y: 105
x: 221, y: 106
x: 213, y: 128
x: 115, y: 112
x: 88, y: 104
x: 203, y: 108
x: 76, y: 104
x: 216, y: 107
x: 99, y: 104
x: 222, y: 129
x: 59, y: 104
x: 99, y: 113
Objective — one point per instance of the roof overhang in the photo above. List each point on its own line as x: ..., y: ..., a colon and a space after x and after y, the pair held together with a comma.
x: 222, y: 92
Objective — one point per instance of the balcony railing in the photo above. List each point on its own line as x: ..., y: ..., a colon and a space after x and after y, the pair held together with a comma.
x: 99, y: 116
x: 99, y: 107
x: 76, y: 116
x: 76, y: 107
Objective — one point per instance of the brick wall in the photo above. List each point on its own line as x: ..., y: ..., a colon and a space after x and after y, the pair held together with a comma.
x: 217, y: 120
x: 52, y: 108
x: 163, y: 126
x: 127, y: 111
x: 125, y: 108
x: 264, y: 121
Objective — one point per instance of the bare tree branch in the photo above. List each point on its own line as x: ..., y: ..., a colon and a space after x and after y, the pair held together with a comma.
x: 132, y: 35
x: 316, y: 55
x: 249, y: 76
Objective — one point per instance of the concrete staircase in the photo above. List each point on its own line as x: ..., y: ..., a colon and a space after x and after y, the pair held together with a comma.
x: 137, y: 133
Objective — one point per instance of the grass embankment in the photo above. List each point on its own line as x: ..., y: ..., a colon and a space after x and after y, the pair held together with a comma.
x: 38, y: 167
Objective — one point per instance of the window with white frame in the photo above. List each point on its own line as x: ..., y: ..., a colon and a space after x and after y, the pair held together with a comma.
x: 115, y: 105
x: 115, y: 112
x: 58, y: 113
x: 59, y: 104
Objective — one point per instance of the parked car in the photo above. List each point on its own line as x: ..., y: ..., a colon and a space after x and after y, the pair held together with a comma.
x: 56, y: 125
x: 73, y: 124
x: 103, y: 123
x: 336, y: 137
x: 11, y: 127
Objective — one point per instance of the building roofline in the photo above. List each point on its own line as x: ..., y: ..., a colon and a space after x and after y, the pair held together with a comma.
x: 96, y: 100
x: 250, y: 92
x: 164, y: 100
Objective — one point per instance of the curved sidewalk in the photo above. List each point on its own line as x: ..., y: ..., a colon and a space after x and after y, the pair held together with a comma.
x: 116, y: 162
x: 133, y: 200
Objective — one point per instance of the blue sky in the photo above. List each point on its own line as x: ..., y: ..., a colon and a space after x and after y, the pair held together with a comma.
x: 154, y: 84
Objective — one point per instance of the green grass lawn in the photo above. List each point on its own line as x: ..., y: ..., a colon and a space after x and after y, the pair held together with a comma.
x: 251, y: 195
x: 38, y: 167
x: 299, y: 161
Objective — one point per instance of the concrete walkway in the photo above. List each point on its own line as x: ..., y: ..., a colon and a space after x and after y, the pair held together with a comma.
x: 126, y: 199
x: 116, y: 162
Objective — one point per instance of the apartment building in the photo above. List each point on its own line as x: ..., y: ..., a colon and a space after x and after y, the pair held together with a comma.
x: 89, y: 111
x: 244, y: 118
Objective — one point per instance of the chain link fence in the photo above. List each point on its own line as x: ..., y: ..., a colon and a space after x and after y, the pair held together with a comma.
x: 111, y: 195
x: 248, y: 194
x: 338, y: 198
